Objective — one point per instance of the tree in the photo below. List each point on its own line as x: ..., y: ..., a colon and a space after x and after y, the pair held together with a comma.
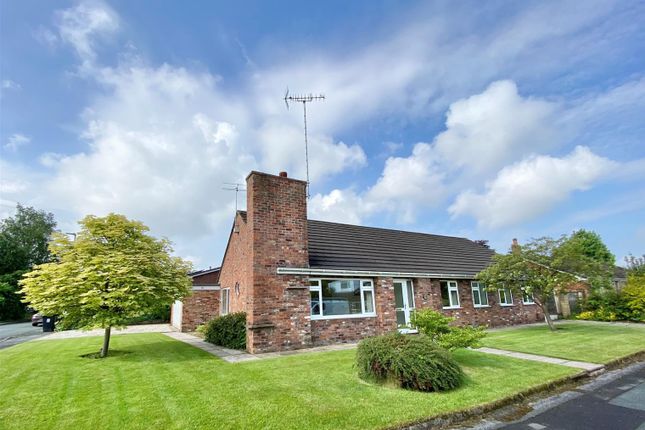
x: 23, y: 244
x: 113, y: 272
x: 634, y: 290
x: 585, y: 252
x: 530, y: 269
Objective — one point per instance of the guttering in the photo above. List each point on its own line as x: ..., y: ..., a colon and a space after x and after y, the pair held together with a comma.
x: 369, y: 273
x: 206, y: 287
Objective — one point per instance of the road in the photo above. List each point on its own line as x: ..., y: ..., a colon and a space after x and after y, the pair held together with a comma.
x: 614, y: 401
x: 12, y: 334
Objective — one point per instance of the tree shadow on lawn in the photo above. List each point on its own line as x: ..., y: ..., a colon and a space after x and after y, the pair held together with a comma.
x: 155, y: 351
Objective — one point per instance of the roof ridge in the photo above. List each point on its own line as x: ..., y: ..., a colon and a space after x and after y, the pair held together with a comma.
x: 391, y: 229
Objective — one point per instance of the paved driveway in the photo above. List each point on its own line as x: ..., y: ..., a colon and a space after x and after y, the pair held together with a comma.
x: 12, y: 334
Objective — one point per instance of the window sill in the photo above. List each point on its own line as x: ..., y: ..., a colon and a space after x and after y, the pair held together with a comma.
x: 481, y: 306
x: 506, y: 306
x: 528, y: 304
x: 451, y: 307
x: 342, y: 317
x: 408, y: 331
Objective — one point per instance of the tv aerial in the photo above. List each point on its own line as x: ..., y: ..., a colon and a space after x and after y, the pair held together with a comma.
x: 304, y: 99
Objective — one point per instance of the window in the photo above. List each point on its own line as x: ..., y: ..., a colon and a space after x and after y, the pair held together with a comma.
x: 505, y: 297
x: 527, y: 298
x: 223, y: 303
x: 449, y: 294
x: 338, y: 298
x: 480, y: 295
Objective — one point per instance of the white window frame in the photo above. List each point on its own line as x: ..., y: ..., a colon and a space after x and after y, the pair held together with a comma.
x: 451, y: 288
x: 525, y: 295
x: 366, y: 285
x: 480, y: 288
x: 507, y: 294
x: 223, y: 310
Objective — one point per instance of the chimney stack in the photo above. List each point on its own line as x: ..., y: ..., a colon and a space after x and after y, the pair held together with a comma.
x: 515, y: 246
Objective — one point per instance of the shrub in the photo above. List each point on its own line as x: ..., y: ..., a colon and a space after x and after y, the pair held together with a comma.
x: 437, y: 327
x: 228, y: 331
x: 634, y: 293
x: 629, y: 304
x: 413, y: 362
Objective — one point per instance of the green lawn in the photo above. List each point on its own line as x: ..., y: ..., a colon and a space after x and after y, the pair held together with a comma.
x: 595, y: 343
x: 164, y: 384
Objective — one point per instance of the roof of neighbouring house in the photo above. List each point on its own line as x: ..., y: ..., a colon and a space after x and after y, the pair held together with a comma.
x: 620, y: 272
x: 197, y: 273
x: 352, y: 247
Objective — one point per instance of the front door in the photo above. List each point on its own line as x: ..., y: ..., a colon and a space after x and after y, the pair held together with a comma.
x: 403, y: 302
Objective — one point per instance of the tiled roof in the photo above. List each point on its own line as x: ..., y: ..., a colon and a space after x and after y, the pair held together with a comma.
x: 351, y: 247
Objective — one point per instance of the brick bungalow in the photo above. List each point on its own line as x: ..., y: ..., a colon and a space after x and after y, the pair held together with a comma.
x: 304, y: 282
x: 202, y: 305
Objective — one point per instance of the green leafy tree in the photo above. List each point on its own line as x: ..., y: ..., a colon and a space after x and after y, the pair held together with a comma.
x: 114, y: 271
x: 585, y: 252
x: 531, y: 269
x: 23, y: 244
x: 634, y: 290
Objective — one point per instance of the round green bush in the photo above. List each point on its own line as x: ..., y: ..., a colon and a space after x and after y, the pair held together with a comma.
x: 408, y: 361
x: 228, y: 331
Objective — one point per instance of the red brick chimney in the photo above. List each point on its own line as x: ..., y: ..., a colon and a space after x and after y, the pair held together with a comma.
x: 278, y: 309
x: 515, y: 246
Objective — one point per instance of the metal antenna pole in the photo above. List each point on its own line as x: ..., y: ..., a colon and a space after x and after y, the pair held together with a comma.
x: 304, y: 112
x: 234, y: 187
x: 304, y: 99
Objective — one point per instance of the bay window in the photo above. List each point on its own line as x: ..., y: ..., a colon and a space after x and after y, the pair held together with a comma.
x: 340, y: 298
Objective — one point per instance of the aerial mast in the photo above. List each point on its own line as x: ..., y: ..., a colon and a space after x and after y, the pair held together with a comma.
x: 304, y: 99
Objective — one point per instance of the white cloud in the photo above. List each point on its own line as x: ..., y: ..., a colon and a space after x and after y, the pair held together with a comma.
x: 81, y: 25
x: 15, y: 141
x: 8, y: 84
x: 342, y: 206
x: 487, y: 130
x: 529, y: 188
x: 408, y: 184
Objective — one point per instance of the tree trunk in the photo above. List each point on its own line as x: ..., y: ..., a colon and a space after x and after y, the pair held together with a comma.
x: 547, y: 317
x: 106, y: 342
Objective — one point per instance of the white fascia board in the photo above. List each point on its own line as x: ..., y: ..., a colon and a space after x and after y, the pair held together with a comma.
x: 206, y: 287
x: 368, y: 273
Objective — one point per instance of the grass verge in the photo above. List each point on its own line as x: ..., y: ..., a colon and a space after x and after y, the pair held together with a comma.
x: 591, y: 342
x: 162, y: 383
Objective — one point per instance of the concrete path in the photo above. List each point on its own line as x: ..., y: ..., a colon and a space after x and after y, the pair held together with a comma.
x: 589, y: 367
x: 235, y: 356
x: 230, y: 355
x: 133, y: 329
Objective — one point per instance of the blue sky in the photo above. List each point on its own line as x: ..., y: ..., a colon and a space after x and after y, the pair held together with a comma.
x: 487, y: 120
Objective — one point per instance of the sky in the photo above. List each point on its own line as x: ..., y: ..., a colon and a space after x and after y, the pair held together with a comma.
x: 488, y: 120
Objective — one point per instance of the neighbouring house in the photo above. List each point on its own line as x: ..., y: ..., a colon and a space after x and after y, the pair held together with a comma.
x: 304, y: 282
x: 202, y: 305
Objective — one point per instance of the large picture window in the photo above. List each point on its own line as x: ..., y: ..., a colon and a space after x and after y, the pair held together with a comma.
x: 449, y: 294
x: 338, y: 298
x: 480, y: 296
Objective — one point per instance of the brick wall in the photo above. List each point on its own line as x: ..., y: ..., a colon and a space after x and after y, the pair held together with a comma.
x: 211, y: 278
x: 199, y: 308
x: 278, y: 313
x: 427, y: 294
x: 236, y: 267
